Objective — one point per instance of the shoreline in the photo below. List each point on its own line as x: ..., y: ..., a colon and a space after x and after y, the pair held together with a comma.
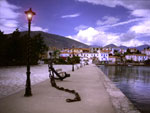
x: 120, y: 102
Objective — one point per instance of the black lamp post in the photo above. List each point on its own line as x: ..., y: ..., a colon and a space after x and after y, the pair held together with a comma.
x: 29, y: 15
x: 72, y: 58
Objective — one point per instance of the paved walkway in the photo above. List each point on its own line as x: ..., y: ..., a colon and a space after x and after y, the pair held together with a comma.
x: 47, y: 99
x: 13, y: 78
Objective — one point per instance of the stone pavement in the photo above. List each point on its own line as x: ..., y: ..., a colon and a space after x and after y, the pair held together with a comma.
x: 97, y: 92
x: 47, y: 99
x: 13, y: 78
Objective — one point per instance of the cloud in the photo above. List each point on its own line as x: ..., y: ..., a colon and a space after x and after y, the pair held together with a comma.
x: 142, y: 28
x: 36, y: 28
x: 134, y: 42
x: 126, y: 37
x: 80, y: 27
x: 141, y: 12
x: 130, y: 4
x: 107, y: 20
x: 127, y: 22
x: 94, y: 36
x: 137, y: 26
x: 109, y: 3
x: 71, y: 16
x: 7, y: 10
x: 113, y: 22
x: 8, y: 16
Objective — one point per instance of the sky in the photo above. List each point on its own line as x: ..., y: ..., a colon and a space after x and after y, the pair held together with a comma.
x: 93, y: 22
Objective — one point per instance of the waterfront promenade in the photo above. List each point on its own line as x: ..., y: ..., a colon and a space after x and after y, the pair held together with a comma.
x: 92, y: 85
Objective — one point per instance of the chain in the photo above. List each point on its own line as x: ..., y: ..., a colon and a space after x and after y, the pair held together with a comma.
x: 53, y: 83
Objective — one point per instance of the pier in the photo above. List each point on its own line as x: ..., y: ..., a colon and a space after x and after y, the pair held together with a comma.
x: 98, y: 95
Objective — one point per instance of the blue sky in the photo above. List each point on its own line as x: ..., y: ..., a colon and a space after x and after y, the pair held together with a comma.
x: 94, y: 22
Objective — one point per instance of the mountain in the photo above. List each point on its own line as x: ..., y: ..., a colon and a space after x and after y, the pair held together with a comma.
x: 57, y: 41
x: 111, y: 45
x: 140, y: 48
x: 94, y: 46
x: 123, y: 47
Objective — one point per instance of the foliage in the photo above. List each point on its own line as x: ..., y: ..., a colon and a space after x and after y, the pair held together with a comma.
x: 147, y: 62
x: 129, y: 61
x: 56, y: 54
x: 138, y: 52
x: 67, y: 60
x: 13, y: 49
x: 129, y: 52
x: 76, y: 59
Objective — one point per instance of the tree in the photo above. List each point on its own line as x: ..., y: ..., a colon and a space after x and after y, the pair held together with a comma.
x: 128, y: 51
x: 38, y: 47
x: 13, y: 49
x: 147, y: 62
x: 138, y: 52
x: 56, y: 54
x: 3, y: 48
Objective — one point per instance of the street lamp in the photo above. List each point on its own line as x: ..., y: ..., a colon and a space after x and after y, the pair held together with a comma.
x: 29, y: 15
x: 72, y: 58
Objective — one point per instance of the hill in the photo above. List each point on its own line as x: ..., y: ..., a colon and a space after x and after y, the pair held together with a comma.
x: 57, y: 41
x: 140, y: 48
x: 111, y: 45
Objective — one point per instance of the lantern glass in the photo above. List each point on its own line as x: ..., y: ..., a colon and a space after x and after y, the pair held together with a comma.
x: 29, y: 16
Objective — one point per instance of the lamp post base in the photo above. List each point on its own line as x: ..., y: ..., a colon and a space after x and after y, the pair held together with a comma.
x: 28, y: 86
x: 28, y: 93
x: 72, y: 67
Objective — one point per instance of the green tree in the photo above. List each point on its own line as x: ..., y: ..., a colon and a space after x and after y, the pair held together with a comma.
x: 13, y: 49
x: 56, y: 54
x: 138, y: 52
x: 76, y: 59
x: 38, y: 47
x: 3, y: 48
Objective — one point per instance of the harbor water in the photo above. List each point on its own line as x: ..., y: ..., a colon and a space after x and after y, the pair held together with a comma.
x: 133, y: 81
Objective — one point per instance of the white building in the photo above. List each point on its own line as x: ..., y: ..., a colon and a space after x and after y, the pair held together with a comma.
x: 88, y: 57
x: 114, y: 59
x: 104, y: 55
x: 146, y: 51
x: 137, y: 57
x: 64, y: 54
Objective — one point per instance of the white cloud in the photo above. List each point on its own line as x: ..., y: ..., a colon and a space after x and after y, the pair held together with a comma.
x: 36, y: 28
x: 114, y: 23
x: 127, y: 22
x: 8, y: 23
x: 138, y: 8
x: 7, y: 10
x: 141, y: 12
x: 109, y: 3
x: 80, y: 27
x: 107, y: 20
x: 130, y: 4
x: 71, y: 15
x: 142, y: 28
x: 94, y: 36
x: 8, y: 16
x: 134, y: 42
x: 125, y: 37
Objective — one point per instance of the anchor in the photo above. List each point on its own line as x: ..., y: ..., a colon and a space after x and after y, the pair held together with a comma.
x: 53, y: 72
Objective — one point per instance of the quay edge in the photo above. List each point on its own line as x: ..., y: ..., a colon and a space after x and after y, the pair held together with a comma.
x: 120, y: 102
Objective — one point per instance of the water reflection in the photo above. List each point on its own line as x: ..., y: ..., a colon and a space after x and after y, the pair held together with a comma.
x: 134, y: 82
